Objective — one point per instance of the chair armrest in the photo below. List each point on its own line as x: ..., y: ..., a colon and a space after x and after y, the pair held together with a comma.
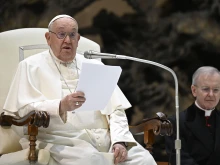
x: 33, y: 120
x: 159, y: 125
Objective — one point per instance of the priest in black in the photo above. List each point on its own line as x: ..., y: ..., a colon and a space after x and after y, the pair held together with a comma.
x: 199, y: 123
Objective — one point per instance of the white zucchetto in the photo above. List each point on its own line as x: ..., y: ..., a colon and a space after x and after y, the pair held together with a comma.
x: 60, y: 16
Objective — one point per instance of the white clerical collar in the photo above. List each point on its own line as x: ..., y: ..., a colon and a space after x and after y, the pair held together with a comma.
x: 58, y: 60
x: 207, y: 112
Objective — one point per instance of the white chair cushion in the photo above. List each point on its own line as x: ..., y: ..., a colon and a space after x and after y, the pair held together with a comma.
x: 9, y: 140
x: 15, y: 158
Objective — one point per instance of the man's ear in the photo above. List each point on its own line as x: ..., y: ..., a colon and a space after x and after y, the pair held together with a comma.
x: 193, y: 89
x: 78, y: 38
x: 47, y: 36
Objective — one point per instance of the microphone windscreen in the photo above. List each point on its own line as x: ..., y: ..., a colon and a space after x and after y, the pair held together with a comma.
x: 86, y: 54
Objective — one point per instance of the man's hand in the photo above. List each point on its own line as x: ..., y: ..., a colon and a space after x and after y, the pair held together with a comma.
x: 120, y: 152
x: 72, y: 101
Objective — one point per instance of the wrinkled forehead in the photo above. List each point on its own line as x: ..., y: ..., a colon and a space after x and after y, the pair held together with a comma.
x: 209, y: 79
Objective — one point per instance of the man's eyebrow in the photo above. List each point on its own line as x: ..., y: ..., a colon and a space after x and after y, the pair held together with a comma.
x: 210, y: 87
x: 60, y: 28
x: 74, y: 30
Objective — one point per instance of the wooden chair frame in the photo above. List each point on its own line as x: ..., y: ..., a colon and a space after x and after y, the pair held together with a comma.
x: 159, y: 125
x: 33, y: 120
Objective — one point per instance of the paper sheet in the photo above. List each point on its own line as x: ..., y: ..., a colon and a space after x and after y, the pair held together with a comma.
x: 98, y: 83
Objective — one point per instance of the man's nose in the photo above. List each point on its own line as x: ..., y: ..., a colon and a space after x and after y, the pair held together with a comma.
x: 211, y: 93
x: 67, y: 39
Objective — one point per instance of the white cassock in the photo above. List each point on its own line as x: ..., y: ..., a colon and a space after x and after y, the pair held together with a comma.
x: 78, y: 137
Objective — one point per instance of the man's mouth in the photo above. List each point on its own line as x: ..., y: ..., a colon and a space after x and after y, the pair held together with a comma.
x: 209, y: 100
x: 66, y: 47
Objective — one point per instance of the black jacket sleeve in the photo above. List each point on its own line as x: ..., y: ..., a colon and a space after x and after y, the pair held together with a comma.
x: 185, y: 157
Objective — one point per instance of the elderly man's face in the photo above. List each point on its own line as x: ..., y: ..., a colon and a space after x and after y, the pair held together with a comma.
x: 207, y: 90
x: 64, y: 48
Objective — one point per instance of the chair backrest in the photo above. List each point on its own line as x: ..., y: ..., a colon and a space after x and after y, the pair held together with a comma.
x: 15, y: 45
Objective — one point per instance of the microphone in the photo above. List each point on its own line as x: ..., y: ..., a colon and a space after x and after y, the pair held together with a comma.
x: 93, y: 54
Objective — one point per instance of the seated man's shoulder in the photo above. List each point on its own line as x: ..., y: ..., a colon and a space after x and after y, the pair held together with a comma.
x: 36, y: 58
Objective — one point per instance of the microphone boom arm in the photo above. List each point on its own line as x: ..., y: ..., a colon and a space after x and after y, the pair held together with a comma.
x: 177, y: 141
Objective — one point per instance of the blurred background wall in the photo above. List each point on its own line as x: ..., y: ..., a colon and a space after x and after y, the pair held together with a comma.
x: 181, y: 34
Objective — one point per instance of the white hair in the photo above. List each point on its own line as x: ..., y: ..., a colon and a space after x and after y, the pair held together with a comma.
x: 203, y: 70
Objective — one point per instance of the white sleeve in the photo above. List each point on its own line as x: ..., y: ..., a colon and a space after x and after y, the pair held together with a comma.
x: 119, y: 129
x: 51, y: 106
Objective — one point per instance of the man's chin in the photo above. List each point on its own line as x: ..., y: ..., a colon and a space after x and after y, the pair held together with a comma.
x: 68, y: 57
x: 209, y: 107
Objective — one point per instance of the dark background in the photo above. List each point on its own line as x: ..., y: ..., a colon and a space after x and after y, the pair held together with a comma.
x: 181, y: 34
